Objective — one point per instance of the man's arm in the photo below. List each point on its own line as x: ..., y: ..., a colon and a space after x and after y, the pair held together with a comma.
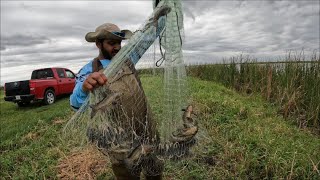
x: 86, y: 81
x: 78, y: 95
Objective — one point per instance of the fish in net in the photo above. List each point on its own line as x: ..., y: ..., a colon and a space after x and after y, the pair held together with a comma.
x: 117, y: 116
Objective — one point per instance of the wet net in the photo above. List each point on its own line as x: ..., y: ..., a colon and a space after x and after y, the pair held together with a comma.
x: 117, y: 116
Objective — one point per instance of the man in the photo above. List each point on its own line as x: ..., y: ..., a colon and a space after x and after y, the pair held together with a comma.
x: 108, y: 39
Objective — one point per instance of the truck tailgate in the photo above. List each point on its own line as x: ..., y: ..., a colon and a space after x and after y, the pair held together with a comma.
x: 17, y: 88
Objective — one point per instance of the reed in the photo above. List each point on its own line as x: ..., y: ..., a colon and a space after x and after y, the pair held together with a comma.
x: 293, y: 84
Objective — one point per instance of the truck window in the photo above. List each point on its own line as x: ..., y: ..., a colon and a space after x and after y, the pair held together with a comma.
x: 60, y: 73
x: 69, y: 74
x: 42, y: 73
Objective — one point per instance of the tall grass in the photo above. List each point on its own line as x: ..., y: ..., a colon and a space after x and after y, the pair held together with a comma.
x: 293, y: 84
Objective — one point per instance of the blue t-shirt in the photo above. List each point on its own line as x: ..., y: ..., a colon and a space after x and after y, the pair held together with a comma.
x: 78, y: 96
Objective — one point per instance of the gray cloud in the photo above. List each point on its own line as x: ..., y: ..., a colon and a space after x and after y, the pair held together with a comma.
x: 252, y: 26
x: 22, y: 40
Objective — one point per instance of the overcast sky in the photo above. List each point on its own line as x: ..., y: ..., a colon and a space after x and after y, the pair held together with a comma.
x: 37, y: 34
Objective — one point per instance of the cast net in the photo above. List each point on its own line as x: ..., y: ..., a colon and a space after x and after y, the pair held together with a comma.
x: 117, y: 116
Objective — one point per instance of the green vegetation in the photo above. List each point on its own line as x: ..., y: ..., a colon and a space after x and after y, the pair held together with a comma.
x: 293, y: 84
x: 241, y: 137
x: 29, y: 140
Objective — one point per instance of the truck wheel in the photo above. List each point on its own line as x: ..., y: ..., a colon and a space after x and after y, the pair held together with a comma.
x: 23, y: 104
x: 49, y: 97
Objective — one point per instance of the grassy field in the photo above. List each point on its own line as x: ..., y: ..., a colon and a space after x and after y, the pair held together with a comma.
x: 293, y: 84
x: 240, y: 137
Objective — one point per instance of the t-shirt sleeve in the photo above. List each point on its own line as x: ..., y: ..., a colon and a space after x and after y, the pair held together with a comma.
x: 79, y: 96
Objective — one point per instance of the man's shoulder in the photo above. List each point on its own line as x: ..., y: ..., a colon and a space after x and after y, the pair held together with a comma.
x: 86, y: 69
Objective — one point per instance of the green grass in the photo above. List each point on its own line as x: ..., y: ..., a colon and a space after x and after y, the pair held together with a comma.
x: 240, y: 137
x: 30, y: 143
x: 293, y: 84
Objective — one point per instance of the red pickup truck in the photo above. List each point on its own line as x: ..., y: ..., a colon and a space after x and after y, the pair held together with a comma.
x: 45, y: 85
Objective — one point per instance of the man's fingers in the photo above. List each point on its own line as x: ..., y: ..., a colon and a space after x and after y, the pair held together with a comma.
x: 99, y: 77
x: 87, y: 87
x: 104, y: 78
x: 94, y: 79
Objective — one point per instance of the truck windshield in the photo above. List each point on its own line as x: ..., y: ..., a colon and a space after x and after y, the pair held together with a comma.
x: 42, y: 73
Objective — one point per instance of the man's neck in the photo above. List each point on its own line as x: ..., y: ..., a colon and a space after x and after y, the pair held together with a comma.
x: 100, y: 57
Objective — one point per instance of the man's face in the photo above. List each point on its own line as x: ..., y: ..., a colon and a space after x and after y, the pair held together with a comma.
x: 110, y: 48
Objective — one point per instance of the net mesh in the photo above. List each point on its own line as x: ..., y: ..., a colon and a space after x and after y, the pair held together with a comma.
x: 117, y: 116
x: 175, y: 72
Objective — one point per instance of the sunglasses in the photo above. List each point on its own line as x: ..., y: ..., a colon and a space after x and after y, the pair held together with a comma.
x: 122, y: 34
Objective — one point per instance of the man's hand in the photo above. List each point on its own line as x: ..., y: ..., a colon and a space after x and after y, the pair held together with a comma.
x: 94, y: 80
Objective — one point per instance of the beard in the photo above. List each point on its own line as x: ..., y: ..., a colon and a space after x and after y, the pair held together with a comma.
x: 106, y: 54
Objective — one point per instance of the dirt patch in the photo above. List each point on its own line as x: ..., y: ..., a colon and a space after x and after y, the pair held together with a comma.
x: 58, y: 121
x: 83, y: 164
x: 31, y: 136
